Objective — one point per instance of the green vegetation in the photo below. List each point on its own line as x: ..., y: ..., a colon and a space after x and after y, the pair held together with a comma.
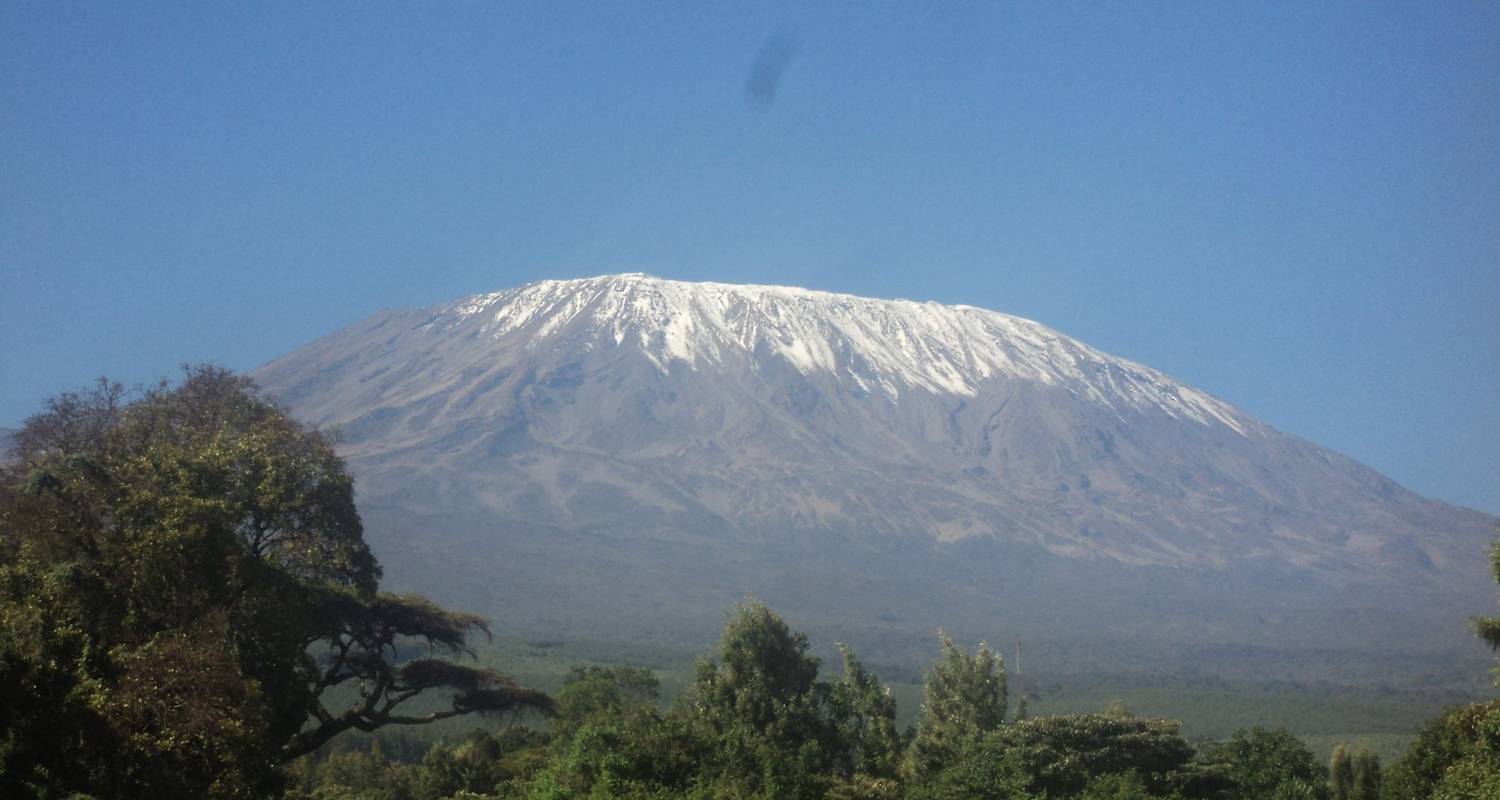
x: 758, y: 722
x: 188, y: 609
x: 1383, y: 721
x: 1456, y: 755
x: 185, y: 593
x: 963, y: 700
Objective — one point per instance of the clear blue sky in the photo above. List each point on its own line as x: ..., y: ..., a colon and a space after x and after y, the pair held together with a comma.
x: 1295, y: 208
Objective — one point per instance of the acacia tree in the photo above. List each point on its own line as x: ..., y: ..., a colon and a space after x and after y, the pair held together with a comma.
x: 184, y: 574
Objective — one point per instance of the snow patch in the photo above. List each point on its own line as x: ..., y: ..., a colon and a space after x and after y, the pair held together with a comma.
x: 875, y: 345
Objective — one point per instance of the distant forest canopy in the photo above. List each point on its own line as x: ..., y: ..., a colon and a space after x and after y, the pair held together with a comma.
x: 188, y: 608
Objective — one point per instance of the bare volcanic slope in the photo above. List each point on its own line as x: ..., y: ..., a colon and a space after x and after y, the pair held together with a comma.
x: 642, y: 451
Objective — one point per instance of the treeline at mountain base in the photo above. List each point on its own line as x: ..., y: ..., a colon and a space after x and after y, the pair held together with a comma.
x: 758, y: 722
x: 188, y: 609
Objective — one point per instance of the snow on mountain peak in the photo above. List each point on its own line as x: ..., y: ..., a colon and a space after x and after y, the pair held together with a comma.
x: 876, y: 346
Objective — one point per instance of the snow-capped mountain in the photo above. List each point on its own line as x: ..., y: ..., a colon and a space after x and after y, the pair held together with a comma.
x: 690, y: 426
x: 869, y: 345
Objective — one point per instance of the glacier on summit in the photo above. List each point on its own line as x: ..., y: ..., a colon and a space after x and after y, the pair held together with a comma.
x: 878, y: 345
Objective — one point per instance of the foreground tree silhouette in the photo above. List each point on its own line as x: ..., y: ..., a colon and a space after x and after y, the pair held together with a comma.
x: 187, y: 601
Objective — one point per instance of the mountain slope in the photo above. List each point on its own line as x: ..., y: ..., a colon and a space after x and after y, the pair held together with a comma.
x: 820, y: 446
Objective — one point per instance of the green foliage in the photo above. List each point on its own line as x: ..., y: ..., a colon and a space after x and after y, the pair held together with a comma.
x: 186, y: 599
x: 1062, y: 756
x: 590, y: 693
x: 974, y: 772
x: 1353, y: 777
x: 1267, y: 764
x: 1488, y: 628
x: 609, y: 739
x: 1457, y: 754
x: 759, y: 724
x: 52, y: 726
x: 765, y: 711
x: 353, y: 775
x: 864, y: 712
x: 1456, y: 750
x: 1367, y: 776
x: 1118, y: 786
x: 1340, y: 774
x: 632, y: 753
x: 866, y: 787
x: 1077, y: 756
x: 762, y: 676
x: 183, y: 580
x: 963, y: 699
x: 482, y: 764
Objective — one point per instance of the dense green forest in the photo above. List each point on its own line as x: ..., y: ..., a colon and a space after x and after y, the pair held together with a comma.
x: 188, y: 609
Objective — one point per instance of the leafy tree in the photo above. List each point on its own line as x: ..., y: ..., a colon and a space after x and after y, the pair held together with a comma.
x: 1120, y: 786
x: 636, y: 752
x: 52, y: 736
x: 963, y: 698
x: 596, y: 692
x: 1076, y: 756
x: 756, y: 723
x: 352, y: 775
x: 609, y: 739
x: 184, y: 578
x: 1366, y: 783
x: 761, y: 704
x: 483, y: 763
x: 865, y: 715
x: 1451, y: 751
x: 973, y: 773
x: 1064, y: 756
x: 1477, y: 774
x: 1340, y: 774
x: 1268, y: 765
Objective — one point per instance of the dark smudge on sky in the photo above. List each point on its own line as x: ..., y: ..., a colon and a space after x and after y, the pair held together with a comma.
x: 765, y: 76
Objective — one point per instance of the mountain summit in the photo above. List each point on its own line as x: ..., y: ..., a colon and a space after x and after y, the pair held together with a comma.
x: 870, y: 346
x: 690, y: 440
